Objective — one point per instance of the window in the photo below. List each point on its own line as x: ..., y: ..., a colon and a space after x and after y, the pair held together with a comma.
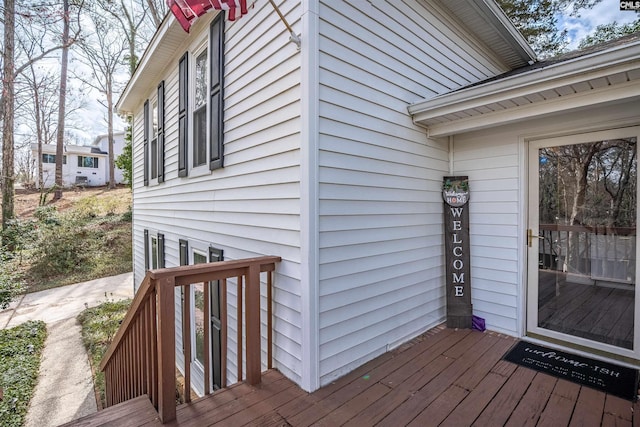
x: 203, y: 298
x: 51, y: 158
x: 153, y: 250
x: 201, y: 98
x: 87, y: 162
x: 200, y: 112
x: 154, y: 137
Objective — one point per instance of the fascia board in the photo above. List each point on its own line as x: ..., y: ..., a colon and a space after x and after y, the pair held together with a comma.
x: 508, y: 30
x: 580, y: 100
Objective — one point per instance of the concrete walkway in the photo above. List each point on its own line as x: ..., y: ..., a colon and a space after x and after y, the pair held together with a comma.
x: 65, y: 387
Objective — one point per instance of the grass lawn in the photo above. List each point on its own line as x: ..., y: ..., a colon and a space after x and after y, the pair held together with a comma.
x: 99, y: 326
x: 20, y: 351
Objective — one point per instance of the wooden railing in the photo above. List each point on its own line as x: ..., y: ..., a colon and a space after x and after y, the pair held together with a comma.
x: 142, y: 356
x: 602, y: 253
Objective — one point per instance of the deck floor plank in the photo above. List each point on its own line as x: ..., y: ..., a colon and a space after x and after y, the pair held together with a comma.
x: 498, y: 411
x: 617, y: 411
x: 589, y: 408
x: 533, y: 402
x: 561, y: 404
x: 469, y: 409
x: 444, y: 377
x: 409, y: 409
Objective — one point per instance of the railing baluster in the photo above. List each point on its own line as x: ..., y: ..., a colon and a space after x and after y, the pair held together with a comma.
x: 269, y: 320
x: 186, y: 342
x: 153, y: 298
x: 223, y: 332
x: 142, y: 356
x: 207, y: 337
x: 239, y: 328
x: 252, y: 321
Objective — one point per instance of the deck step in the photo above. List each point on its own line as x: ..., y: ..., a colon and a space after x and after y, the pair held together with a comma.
x: 122, y: 415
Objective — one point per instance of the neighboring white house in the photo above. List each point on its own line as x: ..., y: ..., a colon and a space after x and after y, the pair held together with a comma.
x: 85, y: 165
x: 332, y: 156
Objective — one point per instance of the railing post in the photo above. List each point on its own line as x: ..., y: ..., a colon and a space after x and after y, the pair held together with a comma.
x: 166, y: 349
x: 252, y: 319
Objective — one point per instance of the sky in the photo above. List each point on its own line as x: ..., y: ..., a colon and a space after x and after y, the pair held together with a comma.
x: 604, y: 12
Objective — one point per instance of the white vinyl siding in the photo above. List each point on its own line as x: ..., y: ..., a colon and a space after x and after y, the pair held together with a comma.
x: 251, y: 206
x: 494, y: 161
x: 380, y: 203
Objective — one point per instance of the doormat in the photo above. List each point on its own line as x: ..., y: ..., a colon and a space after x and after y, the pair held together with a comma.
x: 607, y: 377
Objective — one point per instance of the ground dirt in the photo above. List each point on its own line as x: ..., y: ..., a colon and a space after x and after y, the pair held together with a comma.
x: 26, y: 201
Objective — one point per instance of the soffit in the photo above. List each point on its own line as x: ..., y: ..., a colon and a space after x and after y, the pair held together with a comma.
x: 489, y: 23
x: 599, y: 77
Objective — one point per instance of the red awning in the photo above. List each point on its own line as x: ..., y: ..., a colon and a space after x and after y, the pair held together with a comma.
x: 187, y: 11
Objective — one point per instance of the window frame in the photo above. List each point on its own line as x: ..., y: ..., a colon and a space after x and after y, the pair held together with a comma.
x: 95, y: 162
x: 153, y: 139
x: 200, y: 168
x: 153, y: 260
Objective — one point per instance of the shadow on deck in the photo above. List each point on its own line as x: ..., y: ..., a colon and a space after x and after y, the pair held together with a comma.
x: 444, y: 377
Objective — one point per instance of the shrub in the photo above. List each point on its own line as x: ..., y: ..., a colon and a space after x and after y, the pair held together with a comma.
x: 99, y: 326
x: 20, y: 351
x: 62, y: 247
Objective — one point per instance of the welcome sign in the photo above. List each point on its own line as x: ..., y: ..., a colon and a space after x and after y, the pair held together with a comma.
x: 455, y: 192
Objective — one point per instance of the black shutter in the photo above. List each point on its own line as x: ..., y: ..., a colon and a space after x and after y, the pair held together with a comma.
x: 184, y: 252
x: 146, y: 142
x: 216, y: 323
x: 216, y: 98
x: 161, y: 263
x: 161, y: 132
x: 146, y: 250
x: 183, y: 103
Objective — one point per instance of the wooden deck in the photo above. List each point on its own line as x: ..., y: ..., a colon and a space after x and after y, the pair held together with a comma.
x: 444, y: 377
x: 596, y: 312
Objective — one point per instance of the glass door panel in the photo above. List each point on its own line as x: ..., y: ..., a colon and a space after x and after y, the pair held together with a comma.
x: 583, y: 240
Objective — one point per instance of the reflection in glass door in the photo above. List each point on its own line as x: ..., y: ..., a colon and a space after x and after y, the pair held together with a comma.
x: 582, y: 236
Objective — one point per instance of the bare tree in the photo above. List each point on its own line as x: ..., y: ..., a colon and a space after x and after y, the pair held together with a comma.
x: 63, y: 96
x: 157, y: 9
x: 26, y: 167
x: 103, y: 54
x: 133, y: 19
x: 8, y: 93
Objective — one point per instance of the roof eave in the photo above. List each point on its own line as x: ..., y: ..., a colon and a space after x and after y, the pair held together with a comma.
x: 129, y: 100
x: 604, y: 63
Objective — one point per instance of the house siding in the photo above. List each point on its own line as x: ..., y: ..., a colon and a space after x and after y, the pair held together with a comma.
x: 251, y: 206
x: 495, y: 162
x: 380, y: 204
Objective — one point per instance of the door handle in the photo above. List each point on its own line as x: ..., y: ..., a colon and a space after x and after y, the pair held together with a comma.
x: 531, y: 236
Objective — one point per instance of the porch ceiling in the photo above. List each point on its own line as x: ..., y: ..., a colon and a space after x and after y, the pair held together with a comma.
x: 606, y: 76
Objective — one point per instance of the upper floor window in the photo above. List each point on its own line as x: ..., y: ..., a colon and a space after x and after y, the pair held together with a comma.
x: 153, y: 122
x: 200, y: 111
x: 87, y: 162
x: 201, y: 101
